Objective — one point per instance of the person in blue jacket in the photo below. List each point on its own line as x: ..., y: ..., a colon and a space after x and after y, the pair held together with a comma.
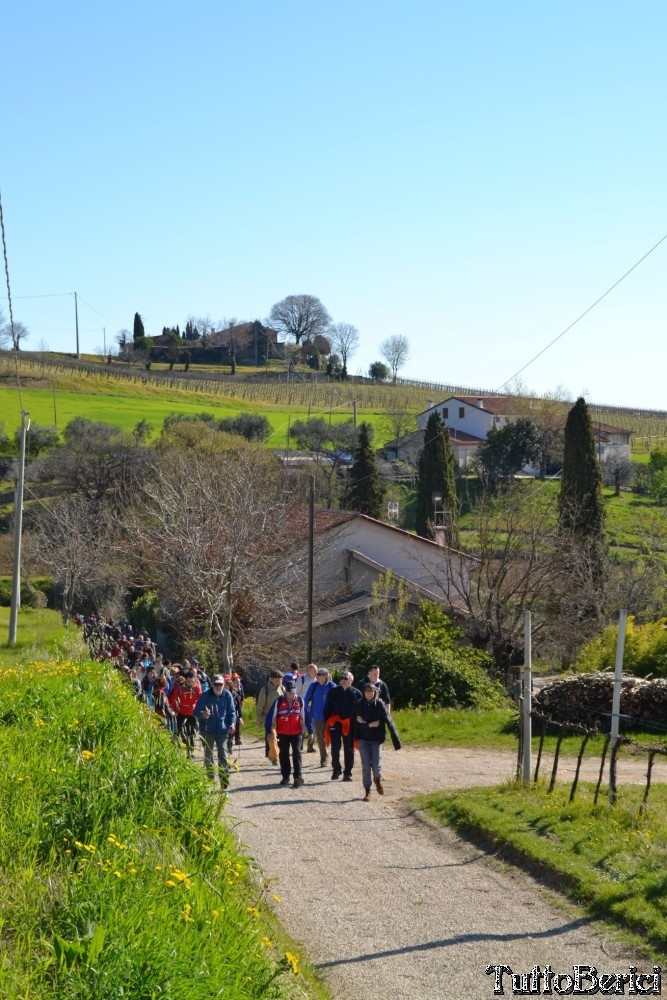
x: 314, y: 702
x: 217, y: 715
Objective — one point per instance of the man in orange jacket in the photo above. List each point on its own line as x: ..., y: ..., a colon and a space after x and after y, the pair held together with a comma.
x: 339, y: 714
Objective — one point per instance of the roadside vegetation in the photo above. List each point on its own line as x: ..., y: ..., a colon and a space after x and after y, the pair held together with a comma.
x: 609, y: 859
x: 116, y: 873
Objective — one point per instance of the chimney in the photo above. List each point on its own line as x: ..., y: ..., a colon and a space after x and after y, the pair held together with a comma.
x: 439, y: 535
x: 429, y: 404
x: 480, y: 402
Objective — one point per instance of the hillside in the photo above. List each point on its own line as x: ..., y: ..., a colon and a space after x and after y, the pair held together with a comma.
x: 56, y: 388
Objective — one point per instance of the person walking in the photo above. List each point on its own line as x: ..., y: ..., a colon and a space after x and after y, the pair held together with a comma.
x: 215, y: 709
x: 286, y: 719
x: 303, y: 684
x: 183, y: 699
x: 315, y: 702
x: 340, y: 715
x: 266, y: 696
x: 373, y: 676
x: 373, y: 720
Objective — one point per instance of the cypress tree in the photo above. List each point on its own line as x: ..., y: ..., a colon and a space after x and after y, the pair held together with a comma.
x: 364, y: 491
x: 138, y: 330
x: 580, y: 501
x: 436, y: 475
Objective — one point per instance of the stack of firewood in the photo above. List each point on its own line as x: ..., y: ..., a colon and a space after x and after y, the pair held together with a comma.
x: 586, y: 699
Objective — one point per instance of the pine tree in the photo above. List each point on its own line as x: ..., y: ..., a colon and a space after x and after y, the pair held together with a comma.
x: 364, y: 491
x: 580, y: 502
x: 436, y: 476
x: 138, y: 332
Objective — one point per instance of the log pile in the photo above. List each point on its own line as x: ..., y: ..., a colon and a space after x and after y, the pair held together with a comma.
x: 586, y: 699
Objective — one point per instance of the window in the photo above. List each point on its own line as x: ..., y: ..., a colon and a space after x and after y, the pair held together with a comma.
x: 462, y: 412
x: 445, y: 412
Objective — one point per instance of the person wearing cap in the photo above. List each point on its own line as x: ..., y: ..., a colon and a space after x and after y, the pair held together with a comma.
x: 217, y: 715
x: 340, y: 715
x: 314, y: 702
x: 266, y: 696
x: 304, y: 682
x: 286, y: 718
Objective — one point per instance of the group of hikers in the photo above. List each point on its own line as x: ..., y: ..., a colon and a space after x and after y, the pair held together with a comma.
x: 333, y: 718
x: 339, y: 717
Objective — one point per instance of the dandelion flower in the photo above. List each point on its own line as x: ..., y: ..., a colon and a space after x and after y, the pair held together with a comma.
x: 117, y: 874
x: 170, y: 882
x: 293, y: 961
x: 277, y: 898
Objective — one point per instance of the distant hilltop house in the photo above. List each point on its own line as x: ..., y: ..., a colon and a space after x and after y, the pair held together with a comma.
x: 250, y: 343
x: 470, y: 418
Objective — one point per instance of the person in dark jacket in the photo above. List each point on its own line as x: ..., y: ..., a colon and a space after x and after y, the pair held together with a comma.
x: 373, y: 720
x: 339, y: 714
x: 373, y: 677
x: 215, y: 709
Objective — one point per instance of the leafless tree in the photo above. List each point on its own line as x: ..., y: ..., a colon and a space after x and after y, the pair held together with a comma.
x: 345, y: 341
x: 396, y: 352
x: 16, y: 333
x: 300, y: 316
x: 617, y: 469
x: 72, y: 539
x: 206, y: 531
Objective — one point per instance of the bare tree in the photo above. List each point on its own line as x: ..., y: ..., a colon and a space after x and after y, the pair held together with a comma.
x: 16, y: 333
x: 396, y: 352
x: 300, y: 316
x: 327, y: 443
x: 206, y: 531
x: 345, y: 341
x: 73, y: 540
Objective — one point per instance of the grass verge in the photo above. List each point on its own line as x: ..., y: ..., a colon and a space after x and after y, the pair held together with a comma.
x: 610, y: 859
x: 116, y: 876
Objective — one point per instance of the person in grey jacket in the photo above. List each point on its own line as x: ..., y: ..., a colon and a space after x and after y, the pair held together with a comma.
x: 217, y: 714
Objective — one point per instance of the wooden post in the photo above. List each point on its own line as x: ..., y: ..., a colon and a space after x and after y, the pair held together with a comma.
x: 616, y: 704
x: 527, y: 700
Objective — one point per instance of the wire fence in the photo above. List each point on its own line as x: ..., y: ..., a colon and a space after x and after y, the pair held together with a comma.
x: 590, y: 733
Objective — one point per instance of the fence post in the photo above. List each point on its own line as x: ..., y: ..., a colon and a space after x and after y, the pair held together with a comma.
x: 616, y: 703
x: 527, y: 700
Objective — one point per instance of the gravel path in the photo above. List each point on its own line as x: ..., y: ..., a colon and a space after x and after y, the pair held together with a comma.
x: 388, y: 907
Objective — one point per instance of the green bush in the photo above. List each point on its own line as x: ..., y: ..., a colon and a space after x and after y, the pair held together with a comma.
x: 645, y: 650
x: 144, y: 611
x: 34, y: 593
x: 423, y: 663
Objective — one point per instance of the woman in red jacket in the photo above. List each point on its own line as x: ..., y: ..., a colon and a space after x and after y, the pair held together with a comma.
x: 183, y: 698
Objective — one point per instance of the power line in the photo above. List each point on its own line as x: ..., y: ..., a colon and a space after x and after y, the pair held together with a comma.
x: 585, y: 313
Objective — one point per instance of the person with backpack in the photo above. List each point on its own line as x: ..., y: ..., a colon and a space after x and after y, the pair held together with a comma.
x: 266, y: 696
x: 314, y: 703
x: 286, y: 718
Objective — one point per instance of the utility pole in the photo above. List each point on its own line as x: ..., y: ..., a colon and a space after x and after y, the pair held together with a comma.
x: 76, y: 321
x: 104, y: 340
x: 527, y: 699
x: 311, y: 560
x: 616, y: 703
x: 355, y: 412
x: 18, y: 526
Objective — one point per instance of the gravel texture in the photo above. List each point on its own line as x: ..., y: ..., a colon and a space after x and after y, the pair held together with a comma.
x: 384, y: 904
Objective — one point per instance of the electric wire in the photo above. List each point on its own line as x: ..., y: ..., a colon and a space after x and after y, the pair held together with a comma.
x: 584, y: 313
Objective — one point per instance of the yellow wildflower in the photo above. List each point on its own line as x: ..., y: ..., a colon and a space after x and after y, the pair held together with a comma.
x: 293, y: 961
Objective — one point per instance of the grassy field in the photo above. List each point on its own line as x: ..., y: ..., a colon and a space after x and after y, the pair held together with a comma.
x: 40, y: 635
x: 116, y: 875
x: 610, y: 859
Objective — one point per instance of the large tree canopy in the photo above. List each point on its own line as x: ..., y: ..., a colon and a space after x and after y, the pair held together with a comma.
x: 300, y: 316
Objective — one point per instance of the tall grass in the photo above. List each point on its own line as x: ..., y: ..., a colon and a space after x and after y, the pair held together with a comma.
x: 116, y: 877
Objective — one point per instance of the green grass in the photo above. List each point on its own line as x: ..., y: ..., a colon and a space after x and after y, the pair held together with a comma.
x: 116, y: 875
x: 611, y: 859
x: 40, y: 635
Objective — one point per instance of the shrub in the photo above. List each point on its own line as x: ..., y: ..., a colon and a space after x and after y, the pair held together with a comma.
x: 424, y: 664
x: 251, y: 426
x: 144, y: 611
x: 645, y: 650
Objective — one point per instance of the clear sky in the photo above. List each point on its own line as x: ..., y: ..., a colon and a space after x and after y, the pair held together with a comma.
x: 471, y: 175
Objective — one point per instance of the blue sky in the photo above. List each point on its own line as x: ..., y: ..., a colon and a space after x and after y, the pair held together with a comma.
x: 472, y: 176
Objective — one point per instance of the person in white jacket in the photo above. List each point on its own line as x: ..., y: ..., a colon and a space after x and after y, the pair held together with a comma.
x: 303, y: 683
